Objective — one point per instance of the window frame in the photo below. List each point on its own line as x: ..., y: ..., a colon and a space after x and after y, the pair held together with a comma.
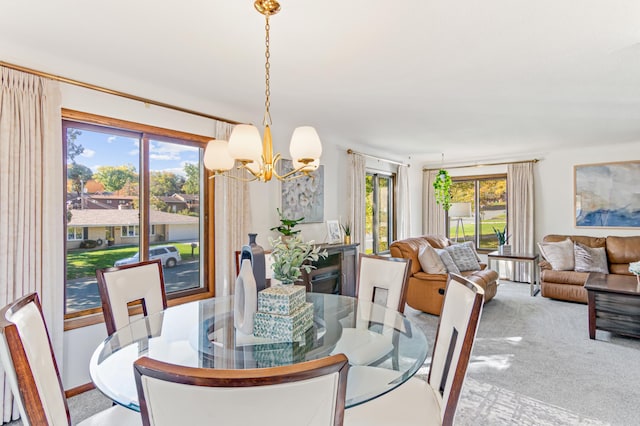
x: 476, y: 181
x: 81, y: 228
x: 146, y: 133
x: 391, y: 221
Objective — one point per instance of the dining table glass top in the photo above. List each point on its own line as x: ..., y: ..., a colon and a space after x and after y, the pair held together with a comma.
x: 201, y: 334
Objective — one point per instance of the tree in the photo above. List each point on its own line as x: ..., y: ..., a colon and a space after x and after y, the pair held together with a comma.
x: 78, y: 173
x: 192, y: 184
x: 165, y: 183
x: 73, y: 148
x: 114, y: 178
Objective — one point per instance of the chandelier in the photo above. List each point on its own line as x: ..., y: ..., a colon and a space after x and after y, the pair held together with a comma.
x: 254, y: 156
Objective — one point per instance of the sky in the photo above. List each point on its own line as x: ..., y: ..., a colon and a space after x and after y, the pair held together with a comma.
x: 104, y: 149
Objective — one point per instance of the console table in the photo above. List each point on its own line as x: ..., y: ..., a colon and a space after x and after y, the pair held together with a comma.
x: 529, y: 258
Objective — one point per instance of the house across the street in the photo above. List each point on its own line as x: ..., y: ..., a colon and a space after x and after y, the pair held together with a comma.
x: 123, y: 227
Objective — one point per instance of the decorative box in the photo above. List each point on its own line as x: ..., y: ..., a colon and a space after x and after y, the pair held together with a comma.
x: 283, y: 353
x: 284, y: 328
x: 281, y: 300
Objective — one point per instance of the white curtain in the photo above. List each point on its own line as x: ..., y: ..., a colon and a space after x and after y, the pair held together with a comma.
x: 232, y: 220
x: 357, y: 194
x: 403, y: 206
x: 31, y: 202
x: 432, y: 214
x: 520, y: 208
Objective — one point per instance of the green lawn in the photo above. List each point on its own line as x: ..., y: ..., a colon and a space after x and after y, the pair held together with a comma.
x: 83, y: 263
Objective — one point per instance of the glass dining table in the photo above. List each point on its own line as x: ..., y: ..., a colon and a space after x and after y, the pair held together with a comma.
x: 201, y: 334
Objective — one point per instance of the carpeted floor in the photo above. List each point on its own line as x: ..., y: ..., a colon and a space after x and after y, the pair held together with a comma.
x: 533, y: 364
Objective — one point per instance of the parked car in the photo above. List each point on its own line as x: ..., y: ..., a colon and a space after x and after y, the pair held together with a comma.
x: 169, y: 255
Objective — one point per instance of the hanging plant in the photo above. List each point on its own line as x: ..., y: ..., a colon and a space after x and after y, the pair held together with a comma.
x: 442, y: 186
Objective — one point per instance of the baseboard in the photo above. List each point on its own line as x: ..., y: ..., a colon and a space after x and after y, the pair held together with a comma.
x: 79, y: 389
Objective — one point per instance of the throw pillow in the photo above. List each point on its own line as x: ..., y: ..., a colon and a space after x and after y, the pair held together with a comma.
x: 430, y: 261
x: 464, y: 257
x: 473, y: 247
x: 559, y: 254
x: 448, y: 261
x: 590, y: 259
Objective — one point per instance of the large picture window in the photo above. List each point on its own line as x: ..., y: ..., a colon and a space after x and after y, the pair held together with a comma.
x: 133, y: 193
x: 379, y: 208
x: 479, y: 204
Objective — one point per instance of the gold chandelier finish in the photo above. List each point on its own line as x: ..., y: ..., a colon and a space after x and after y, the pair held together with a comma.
x: 265, y: 170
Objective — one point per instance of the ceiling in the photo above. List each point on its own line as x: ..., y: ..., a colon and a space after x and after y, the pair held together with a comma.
x: 470, y: 79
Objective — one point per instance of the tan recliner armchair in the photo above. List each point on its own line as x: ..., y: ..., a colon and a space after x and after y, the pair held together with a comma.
x: 426, y: 291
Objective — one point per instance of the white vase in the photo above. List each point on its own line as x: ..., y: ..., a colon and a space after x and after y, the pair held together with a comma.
x: 245, y: 299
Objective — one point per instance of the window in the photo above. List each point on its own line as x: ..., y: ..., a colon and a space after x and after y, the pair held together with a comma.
x: 75, y: 233
x: 128, y: 169
x: 379, y: 208
x: 130, y: 231
x: 479, y: 204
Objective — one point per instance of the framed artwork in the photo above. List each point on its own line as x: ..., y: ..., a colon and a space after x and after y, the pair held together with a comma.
x: 334, y: 234
x: 607, y: 195
x: 303, y: 196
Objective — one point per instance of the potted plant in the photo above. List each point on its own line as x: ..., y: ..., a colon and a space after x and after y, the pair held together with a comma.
x: 346, y: 228
x: 289, y: 257
x: 442, y: 187
x: 503, y: 248
x: 286, y: 225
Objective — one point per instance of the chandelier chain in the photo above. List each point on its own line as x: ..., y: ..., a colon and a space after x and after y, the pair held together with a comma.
x: 267, y: 54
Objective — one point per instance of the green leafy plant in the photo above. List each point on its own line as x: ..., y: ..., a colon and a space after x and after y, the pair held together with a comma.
x: 442, y: 187
x: 502, y: 235
x: 289, y: 257
x: 346, y: 228
x: 286, y: 225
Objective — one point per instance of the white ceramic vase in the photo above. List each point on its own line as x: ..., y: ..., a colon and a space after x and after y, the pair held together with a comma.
x: 245, y: 299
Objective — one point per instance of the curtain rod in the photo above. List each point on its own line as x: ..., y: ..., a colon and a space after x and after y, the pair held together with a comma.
x: 350, y: 151
x: 114, y: 92
x: 535, y: 160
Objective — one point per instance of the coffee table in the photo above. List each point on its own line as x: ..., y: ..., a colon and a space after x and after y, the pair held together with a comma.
x: 614, y: 304
x: 528, y: 258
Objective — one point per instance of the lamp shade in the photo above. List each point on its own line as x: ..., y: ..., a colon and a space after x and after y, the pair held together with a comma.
x: 245, y: 143
x: 460, y: 210
x: 305, y: 144
x: 216, y: 156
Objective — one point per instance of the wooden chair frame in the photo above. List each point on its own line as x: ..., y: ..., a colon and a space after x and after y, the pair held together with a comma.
x: 107, y: 309
x: 27, y: 387
x: 465, y: 352
x: 243, y: 378
x: 407, y: 271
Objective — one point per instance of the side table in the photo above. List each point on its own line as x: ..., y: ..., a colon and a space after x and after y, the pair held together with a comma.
x: 530, y: 258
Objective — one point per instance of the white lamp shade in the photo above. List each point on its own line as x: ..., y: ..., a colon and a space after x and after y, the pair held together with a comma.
x: 460, y: 210
x: 216, y: 156
x: 308, y: 167
x: 305, y: 143
x: 245, y: 142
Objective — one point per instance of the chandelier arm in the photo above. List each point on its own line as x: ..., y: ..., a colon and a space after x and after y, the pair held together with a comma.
x: 226, y: 175
x: 290, y: 175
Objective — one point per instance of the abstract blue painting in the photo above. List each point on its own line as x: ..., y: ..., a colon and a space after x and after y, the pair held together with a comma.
x: 607, y: 195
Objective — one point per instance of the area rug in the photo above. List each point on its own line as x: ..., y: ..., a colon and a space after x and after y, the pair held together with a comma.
x: 534, y: 364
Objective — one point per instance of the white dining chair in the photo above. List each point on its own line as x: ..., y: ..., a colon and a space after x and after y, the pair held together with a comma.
x: 311, y: 393
x: 434, y: 401
x: 382, y: 281
x: 30, y: 365
x: 141, y: 282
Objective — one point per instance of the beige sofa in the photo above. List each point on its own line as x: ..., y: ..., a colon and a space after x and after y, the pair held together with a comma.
x: 426, y: 291
x: 569, y: 285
